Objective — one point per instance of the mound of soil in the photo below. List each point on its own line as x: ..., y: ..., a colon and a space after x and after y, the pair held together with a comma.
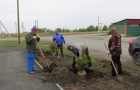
x: 61, y: 75
x: 46, y: 53
x: 94, y: 74
x: 64, y: 76
x: 51, y: 67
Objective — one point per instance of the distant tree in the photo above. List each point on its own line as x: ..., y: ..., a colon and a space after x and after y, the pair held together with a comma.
x: 82, y: 30
x: 96, y: 28
x: 59, y: 29
x: 105, y: 28
x: 65, y: 30
x: 40, y: 30
x: 110, y: 26
x: 91, y: 28
x: 75, y: 30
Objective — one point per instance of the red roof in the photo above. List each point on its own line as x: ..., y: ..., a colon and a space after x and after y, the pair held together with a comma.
x: 133, y: 21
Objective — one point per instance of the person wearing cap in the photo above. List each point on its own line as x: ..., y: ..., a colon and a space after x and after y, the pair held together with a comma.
x: 115, y: 50
x: 59, y: 40
x: 31, y: 48
x: 77, y: 49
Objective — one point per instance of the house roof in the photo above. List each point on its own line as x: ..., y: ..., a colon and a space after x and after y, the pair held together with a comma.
x: 127, y: 21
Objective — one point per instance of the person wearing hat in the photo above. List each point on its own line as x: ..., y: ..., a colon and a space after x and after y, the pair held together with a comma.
x: 59, y: 40
x: 77, y: 49
x: 114, y: 46
x: 31, y: 48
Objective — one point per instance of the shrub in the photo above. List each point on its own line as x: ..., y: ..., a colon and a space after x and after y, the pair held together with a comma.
x: 52, y: 47
x: 81, y: 64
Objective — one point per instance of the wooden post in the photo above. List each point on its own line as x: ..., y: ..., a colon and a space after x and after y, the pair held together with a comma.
x: 18, y: 21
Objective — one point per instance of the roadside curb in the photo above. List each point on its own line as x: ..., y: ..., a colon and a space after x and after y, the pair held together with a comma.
x: 59, y: 86
x: 38, y: 64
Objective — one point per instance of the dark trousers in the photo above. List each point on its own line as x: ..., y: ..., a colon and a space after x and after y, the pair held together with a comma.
x: 116, y: 60
x: 87, y: 53
x: 61, y: 49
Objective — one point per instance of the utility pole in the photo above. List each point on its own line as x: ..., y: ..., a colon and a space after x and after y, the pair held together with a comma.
x: 98, y: 24
x: 18, y: 21
x: 16, y: 26
x: 37, y: 23
x: 22, y: 27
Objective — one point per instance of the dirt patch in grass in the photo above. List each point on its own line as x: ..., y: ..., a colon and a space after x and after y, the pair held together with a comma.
x: 95, y: 79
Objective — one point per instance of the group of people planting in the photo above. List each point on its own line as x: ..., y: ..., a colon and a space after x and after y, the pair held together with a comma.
x: 78, y: 49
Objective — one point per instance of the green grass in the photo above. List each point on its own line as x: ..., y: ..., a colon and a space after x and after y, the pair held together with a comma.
x: 12, y: 44
x: 129, y: 66
x: 43, y: 45
x: 131, y: 36
x: 15, y: 43
x: 22, y: 35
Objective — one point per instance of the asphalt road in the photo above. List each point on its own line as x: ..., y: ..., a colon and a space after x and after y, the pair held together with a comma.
x: 96, y: 45
x: 13, y: 72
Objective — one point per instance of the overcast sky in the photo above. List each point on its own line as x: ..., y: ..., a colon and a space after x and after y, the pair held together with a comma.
x: 70, y: 13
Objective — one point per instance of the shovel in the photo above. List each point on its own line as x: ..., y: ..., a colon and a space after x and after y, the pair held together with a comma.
x: 119, y: 78
x: 45, y: 61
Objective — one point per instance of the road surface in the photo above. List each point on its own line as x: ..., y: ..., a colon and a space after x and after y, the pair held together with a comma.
x: 13, y: 72
x: 96, y: 45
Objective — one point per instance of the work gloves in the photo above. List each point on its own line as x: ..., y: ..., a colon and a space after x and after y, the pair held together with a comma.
x: 34, y: 37
x: 64, y: 42
x: 108, y: 52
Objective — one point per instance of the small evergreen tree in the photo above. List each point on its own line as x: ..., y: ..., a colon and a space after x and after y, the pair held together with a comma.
x: 52, y: 47
x: 81, y: 64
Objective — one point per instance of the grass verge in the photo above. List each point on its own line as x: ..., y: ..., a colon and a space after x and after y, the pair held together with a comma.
x: 22, y: 35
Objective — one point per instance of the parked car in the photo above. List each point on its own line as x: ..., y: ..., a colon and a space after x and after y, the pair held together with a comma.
x: 134, y: 50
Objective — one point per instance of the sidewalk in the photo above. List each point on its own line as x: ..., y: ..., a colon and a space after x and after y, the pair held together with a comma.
x: 13, y: 72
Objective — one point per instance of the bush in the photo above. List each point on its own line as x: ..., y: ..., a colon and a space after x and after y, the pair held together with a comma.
x: 52, y: 47
x: 81, y: 64
x: 40, y: 30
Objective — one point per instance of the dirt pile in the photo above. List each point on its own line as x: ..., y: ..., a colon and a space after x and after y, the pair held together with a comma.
x: 51, y: 67
x: 61, y: 75
x: 64, y: 76
x: 46, y: 53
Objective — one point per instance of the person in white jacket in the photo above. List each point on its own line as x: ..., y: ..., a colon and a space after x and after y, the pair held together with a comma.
x: 77, y: 49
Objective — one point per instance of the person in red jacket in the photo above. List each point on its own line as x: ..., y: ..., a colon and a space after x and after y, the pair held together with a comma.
x: 115, y: 50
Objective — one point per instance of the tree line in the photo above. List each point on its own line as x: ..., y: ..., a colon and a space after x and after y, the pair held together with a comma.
x: 88, y: 29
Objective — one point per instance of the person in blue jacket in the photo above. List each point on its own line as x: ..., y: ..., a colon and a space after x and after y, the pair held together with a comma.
x: 59, y: 40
